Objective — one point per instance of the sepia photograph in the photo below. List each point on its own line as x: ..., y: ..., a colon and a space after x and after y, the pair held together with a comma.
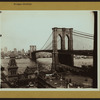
x: 48, y: 49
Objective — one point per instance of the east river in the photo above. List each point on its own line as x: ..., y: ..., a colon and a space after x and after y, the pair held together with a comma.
x: 23, y: 63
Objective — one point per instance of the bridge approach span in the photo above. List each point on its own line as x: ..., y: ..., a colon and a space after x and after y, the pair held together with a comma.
x: 75, y: 52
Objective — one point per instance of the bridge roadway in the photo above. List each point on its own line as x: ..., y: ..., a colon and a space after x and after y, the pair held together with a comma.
x: 76, y: 52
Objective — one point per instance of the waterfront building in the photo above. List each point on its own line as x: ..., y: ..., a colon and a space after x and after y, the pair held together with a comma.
x: 12, y: 69
x: 30, y: 72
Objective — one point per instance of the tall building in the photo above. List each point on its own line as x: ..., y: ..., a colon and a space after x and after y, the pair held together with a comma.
x: 23, y: 51
x: 5, y: 50
x: 19, y: 52
x: 15, y: 51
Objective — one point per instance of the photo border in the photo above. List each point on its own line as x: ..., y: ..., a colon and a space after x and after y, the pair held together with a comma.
x: 51, y: 6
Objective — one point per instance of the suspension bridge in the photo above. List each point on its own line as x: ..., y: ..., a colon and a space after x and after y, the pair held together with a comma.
x: 56, y: 44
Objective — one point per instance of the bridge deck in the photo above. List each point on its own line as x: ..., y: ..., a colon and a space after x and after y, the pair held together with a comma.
x: 76, y: 52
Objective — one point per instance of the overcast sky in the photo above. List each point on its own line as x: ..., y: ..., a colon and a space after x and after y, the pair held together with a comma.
x: 20, y: 29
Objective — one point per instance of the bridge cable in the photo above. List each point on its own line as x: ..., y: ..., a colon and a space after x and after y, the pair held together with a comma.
x: 46, y: 41
x: 83, y: 32
x: 82, y: 36
x: 50, y: 45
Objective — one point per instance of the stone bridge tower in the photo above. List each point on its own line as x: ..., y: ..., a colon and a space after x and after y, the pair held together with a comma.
x: 58, y: 57
x: 32, y: 49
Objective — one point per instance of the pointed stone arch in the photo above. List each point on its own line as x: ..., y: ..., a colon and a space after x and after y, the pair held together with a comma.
x: 59, y: 42
x: 66, y: 42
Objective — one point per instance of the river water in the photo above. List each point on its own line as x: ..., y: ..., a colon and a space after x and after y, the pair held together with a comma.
x: 45, y: 62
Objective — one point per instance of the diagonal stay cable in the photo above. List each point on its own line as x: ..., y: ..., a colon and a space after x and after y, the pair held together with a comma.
x: 50, y: 45
x: 46, y: 41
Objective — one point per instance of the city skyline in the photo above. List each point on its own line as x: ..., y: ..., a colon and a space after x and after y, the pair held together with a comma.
x: 13, y: 50
x: 20, y: 29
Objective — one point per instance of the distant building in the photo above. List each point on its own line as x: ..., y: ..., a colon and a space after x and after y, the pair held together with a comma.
x: 5, y: 50
x: 15, y: 51
x: 19, y: 52
x: 23, y: 52
x: 9, y: 53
